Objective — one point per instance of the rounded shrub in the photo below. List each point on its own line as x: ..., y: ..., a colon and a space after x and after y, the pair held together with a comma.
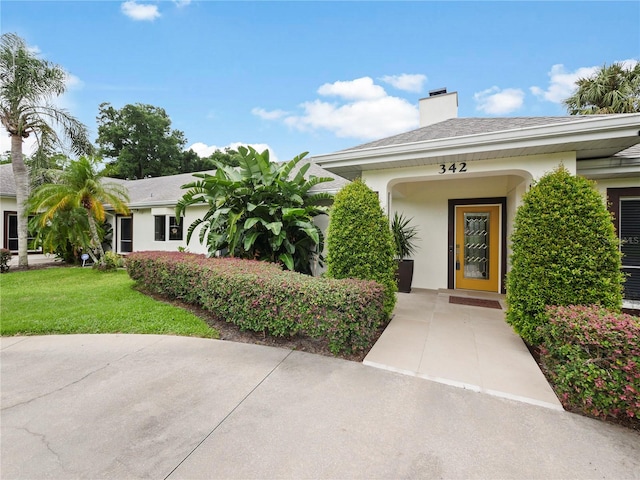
x: 359, y: 242
x: 564, y: 252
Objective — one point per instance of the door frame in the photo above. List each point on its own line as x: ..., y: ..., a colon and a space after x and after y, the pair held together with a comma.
x: 118, y: 232
x: 451, y: 260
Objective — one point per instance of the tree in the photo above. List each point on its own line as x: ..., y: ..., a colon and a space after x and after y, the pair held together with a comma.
x: 257, y: 211
x: 612, y: 89
x: 192, y: 162
x: 140, y: 141
x: 564, y: 252
x: 360, y: 243
x: 79, y: 186
x: 27, y: 86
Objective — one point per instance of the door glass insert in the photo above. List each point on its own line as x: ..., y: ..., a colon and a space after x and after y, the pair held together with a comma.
x: 476, y: 245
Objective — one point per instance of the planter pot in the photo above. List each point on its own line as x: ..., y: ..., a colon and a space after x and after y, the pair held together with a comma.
x: 404, y: 275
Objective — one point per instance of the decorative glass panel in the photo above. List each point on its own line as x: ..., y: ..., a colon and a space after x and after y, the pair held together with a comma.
x: 175, y: 229
x: 476, y: 245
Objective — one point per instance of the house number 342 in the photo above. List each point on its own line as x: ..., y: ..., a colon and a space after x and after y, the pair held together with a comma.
x: 453, y: 168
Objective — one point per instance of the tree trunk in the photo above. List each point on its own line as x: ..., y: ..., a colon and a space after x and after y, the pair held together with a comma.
x: 96, y: 240
x: 21, y: 178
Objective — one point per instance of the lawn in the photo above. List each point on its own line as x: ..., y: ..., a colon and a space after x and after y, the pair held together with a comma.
x: 83, y: 300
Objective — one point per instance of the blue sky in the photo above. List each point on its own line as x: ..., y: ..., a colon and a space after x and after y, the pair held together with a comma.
x: 319, y: 76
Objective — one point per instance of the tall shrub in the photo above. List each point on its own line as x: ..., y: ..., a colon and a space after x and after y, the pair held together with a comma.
x: 564, y: 252
x: 359, y: 241
x: 260, y: 210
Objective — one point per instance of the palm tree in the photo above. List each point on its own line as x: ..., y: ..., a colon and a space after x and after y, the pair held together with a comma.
x: 79, y: 186
x: 27, y: 86
x: 612, y: 89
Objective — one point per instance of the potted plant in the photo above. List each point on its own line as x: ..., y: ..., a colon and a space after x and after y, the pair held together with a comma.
x: 404, y: 236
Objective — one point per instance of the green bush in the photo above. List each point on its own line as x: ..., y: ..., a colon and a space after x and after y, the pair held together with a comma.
x: 112, y: 261
x: 359, y: 242
x: 5, y: 256
x: 592, y: 358
x: 564, y: 252
x: 261, y: 297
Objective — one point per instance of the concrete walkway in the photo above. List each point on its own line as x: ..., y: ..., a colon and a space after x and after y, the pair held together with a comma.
x: 136, y: 406
x: 462, y: 346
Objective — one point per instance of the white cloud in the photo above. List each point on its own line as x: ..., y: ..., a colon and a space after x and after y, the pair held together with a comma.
x: 562, y: 84
x: 140, y: 11
x: 358, y: 89
x: 407, y: 82
x: 363, y: 110
x: 204, y: 150
x: 181, y: 3
x: 495, y: 101
x: 268, y: 115
x: 364, y: 119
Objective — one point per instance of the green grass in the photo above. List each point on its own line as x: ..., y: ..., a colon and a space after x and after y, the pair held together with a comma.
x: 83, y: 300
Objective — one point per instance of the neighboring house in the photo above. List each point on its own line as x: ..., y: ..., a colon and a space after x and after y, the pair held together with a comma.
x: 152, y: 224
x: 462, y: 179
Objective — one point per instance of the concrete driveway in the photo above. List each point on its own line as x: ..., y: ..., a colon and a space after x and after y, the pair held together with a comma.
x: 136, y: 406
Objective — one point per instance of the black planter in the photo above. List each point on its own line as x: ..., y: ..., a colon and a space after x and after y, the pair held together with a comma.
x: 404, y: 275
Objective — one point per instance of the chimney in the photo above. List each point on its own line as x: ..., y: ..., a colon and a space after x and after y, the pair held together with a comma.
x: 438, y: 107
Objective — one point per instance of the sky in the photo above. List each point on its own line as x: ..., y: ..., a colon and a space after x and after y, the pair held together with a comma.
x: 318, y: 77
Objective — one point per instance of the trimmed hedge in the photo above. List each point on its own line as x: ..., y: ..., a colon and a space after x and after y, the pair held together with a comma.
x: 359, y: 240
x: 592, y: 357
x: 259, y: 296
x: 564, y: 252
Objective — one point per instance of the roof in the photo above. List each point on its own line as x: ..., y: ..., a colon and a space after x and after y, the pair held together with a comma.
x: 7, y: 184
x: 459, y: 127
x: 160, y: 191
x: 475, y: 139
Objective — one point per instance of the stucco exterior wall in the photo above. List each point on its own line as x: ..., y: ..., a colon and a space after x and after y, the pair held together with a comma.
x: 423, y: 193
x: 7, y: 204
x: 144, y: 230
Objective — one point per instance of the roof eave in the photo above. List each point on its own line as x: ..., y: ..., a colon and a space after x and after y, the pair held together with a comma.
x: 554, y: 137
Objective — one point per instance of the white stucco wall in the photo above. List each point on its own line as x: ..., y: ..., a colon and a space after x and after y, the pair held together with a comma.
x: 423, y: 193
x: 144, y: 230
x: 7, y: 204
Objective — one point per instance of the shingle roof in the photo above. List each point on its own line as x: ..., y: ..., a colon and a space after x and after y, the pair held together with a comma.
x: 7, y: 184
x: 631, y: 152
x: 458, y: 127
x: 158, y: 190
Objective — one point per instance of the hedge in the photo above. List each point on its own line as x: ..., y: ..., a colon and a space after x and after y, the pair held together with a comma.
x: 564, y: 252
x: 359, y: 240
x: 261, y: 297
x: 592, y: 357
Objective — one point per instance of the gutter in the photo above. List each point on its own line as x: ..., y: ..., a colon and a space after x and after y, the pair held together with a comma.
x: 621, y: 126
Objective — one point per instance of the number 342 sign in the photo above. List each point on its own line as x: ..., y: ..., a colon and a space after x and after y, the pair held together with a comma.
x: 460, y: 167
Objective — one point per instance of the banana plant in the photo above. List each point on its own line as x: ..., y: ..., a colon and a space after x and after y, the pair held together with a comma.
x: 259, y: 210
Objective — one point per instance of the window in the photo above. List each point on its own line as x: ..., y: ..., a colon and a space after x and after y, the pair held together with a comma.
x: 160, y: 228
x: 175, y: 229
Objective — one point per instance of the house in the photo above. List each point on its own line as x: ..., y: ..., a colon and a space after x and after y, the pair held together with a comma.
x: 462, y: 179
x: 151, y: 224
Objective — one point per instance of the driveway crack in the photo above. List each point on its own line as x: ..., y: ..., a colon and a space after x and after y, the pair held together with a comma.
x: 229, y: 414
x: 75, y: 382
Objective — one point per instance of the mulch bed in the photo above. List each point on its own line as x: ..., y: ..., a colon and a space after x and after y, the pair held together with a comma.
x: 232, y: 333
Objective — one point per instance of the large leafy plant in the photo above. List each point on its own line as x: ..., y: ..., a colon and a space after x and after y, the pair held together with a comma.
x: 259, y: 210
x: 404, y: 236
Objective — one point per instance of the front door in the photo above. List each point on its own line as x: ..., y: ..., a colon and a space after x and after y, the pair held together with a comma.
x: 477, y: 247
